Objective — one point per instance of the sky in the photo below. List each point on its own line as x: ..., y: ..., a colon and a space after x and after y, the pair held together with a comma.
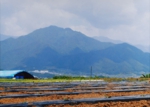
x: 125, y: 20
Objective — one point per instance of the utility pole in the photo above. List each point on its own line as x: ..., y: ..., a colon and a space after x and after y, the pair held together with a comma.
x: 91, y: 71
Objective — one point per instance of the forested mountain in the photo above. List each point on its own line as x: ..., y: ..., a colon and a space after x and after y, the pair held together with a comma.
x: 71, y: 52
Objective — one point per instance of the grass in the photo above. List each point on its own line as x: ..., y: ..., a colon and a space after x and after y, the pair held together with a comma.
x: 74, y: 79
x: 41, y: 80
x: 32, y: 80
x: 130, y: 79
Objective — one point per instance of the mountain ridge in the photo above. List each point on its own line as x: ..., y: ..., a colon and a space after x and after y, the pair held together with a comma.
x: 71, y: 52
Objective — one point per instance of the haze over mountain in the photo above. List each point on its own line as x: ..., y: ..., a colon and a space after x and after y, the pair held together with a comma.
x: 70, y: 52
x: 3, y: 37
x: 144, y: 48
x: 106, y: 39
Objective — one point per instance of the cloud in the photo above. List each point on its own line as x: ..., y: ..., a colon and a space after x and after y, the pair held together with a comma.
x: 104, y: 14
x: 42, y: 71
x: 35, y: 16
x: 127, y: 20
x: 45, y: 72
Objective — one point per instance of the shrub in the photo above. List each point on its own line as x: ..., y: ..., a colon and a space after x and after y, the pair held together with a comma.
x: 145, y: 76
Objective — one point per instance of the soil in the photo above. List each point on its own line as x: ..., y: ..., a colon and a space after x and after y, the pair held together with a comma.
x: 63, y: 97
x: 1, y: 88
x: 140, y: 103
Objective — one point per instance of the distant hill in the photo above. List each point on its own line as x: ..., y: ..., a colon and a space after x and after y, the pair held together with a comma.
x: 3, y: 37
x: 106, y: 39
x: 144, y: 48
x: 70, y: 52
x: 58, y: 39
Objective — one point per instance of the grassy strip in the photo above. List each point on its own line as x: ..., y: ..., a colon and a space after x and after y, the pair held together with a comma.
x: 44, y: 80
x: 31, y: 80
x: 74, y: 79
x: 125, y: 79
x: 54, y: 79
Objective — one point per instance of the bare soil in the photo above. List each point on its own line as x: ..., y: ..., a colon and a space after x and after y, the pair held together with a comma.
x: 140, y: 103
x: 63, y: 97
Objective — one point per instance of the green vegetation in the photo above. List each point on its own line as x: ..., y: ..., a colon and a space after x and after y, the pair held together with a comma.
x: 62, y: 78
x: 145, y: 76
x: 130, y: 79
x: 65, y: 78
x: 77, y: 77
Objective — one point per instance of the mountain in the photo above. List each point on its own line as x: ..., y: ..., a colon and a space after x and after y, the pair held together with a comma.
x: 58, y: 39
x: 118, y: 59
x: 144, y: 48
x: 3, y: 37
x: 65, y: 51
x: 106, y: 39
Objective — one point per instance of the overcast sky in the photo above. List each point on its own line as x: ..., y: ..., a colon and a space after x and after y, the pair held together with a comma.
x: 125, y: 20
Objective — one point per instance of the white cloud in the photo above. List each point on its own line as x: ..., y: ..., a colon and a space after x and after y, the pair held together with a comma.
x: 127, y: 20
x: 42, y: 71
x: 45, y: 72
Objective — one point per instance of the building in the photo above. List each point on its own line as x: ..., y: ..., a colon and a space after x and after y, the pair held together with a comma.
x: 18, y: 74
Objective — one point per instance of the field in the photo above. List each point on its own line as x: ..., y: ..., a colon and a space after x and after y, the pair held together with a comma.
x: 74, y: 93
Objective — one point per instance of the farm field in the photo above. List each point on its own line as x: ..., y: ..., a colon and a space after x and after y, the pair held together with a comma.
x: 75, y: 94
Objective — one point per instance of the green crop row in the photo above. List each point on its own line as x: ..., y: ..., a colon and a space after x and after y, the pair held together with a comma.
x: 77, y: 77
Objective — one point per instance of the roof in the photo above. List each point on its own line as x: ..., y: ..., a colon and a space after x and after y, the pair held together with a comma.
x: 9, y: 73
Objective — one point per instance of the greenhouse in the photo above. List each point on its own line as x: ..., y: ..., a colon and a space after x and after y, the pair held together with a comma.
x: 17, y: 74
